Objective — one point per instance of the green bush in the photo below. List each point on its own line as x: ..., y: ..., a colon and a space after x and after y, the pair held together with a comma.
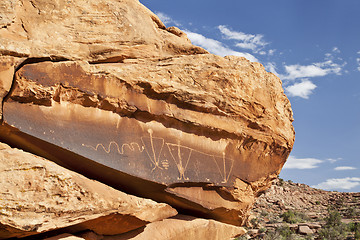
x: 262, y: 230
x: 355, y: 228
x: 350, y: 212
x: 281, y: 182
x: 293, y: 217
x: 254, y: 222
x: 333, y: 229
x: 357, y: 234
x: 281, y: 233
x: 243, y: 237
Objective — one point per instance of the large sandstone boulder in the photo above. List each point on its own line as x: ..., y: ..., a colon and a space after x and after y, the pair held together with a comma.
x: 38, y: 196
x: 103, y: 88
x: 182, y: 228
x: 97, y: 31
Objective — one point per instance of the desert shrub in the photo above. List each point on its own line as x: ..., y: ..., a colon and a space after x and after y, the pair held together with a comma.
x: 281, y: 182
x: 254, y: 222
x: 262, y: 230
x: 289, y: 216
x: 243, y: 237
x: 350, y: 212
x: 355, y: 228
x: 333, y: 229
x: 293, y: 217
x: 263, y: 213
x: 281, y: 233
x: 352, y: 226
x: 357, y: 234
x: 337, y: 233
x: 285, y: 232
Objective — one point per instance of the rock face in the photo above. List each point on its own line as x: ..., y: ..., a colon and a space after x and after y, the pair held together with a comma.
x: 38, y: 196
x: 96, y: 31
x: 104, y: 88
x: 182, y: 228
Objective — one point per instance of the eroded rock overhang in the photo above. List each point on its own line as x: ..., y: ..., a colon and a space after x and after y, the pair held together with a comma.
x: 140, y: 107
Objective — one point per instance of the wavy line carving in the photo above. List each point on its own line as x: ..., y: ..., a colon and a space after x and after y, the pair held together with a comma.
x: 153, y: 146
x: 132, y: 146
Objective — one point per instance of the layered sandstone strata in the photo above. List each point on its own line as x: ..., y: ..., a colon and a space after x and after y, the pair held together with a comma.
x: 104, y: 88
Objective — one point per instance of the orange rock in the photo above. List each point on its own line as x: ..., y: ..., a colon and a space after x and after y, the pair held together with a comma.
x: 107, y: 90
x: 38, y: 196
x: 65, y: 236
x: 8, y: 65
x: 183, y: 228
x: 101, y: 30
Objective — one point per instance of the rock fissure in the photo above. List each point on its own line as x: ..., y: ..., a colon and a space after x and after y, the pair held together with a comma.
x: 17, y: 68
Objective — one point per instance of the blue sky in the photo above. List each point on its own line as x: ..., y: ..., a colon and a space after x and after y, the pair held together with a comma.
x: 314, y: 47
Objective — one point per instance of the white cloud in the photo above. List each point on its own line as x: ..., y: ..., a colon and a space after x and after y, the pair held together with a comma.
x: 271, y: 67
x: 336, y: 50
x: 262, y: 53
x: 271, y: 52
x: 320, y: 69
x: 339, y: 183
x: 358, y: 62
x: 247, y: 41
x: 301, y: 163
x: 328, y: 56
x: 332, y: 160
x: 166, y: 19
x: 301, y: 89
x: 215, y: 46
x: 299, y: 71
x: 342, y: 168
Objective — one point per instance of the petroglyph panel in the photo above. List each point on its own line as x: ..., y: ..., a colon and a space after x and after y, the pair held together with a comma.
x: 147, y: 150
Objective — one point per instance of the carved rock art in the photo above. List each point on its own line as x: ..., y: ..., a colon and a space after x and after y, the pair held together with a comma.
x: 115, y: 95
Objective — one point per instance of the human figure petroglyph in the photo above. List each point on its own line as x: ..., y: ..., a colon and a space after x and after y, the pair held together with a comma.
x: 180, y: 155
x: 225, y: 176
x: 151, y: 152
x: 178, y: 158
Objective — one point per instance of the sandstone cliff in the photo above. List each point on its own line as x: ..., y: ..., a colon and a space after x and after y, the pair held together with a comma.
x: 105, y: 89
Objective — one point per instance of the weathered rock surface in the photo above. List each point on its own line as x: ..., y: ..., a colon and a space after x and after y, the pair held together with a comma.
x: 65, y: 236
x: 183, y: 228
x: 8, y: 66
x: 38, y: 195
x: 102, y: 30
x: 174, y: 228
x: 305, y: 230
x: 103, y: 88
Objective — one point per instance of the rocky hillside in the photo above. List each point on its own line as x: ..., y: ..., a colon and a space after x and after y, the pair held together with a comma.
x: 290, y: 210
